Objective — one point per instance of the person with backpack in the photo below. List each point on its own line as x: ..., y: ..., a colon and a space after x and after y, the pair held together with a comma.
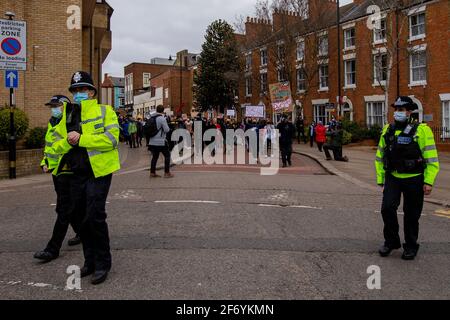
x: 157, y: 130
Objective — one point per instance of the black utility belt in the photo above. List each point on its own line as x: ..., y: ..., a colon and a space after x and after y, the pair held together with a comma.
x: 407, y: 166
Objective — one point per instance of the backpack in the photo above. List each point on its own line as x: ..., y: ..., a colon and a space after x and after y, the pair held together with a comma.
x: 132, y: 128
x: 151, y: 127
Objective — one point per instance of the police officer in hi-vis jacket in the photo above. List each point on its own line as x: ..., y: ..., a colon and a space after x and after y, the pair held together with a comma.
x: 62, y: 187
x: 406, y: 163
x: 87, y: 138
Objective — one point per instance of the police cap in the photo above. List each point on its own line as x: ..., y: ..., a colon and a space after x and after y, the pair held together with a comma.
x: 81, y: 79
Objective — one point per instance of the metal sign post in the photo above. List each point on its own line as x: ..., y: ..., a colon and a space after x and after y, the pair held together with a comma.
x: 12, y: 136
x: 12, y: 82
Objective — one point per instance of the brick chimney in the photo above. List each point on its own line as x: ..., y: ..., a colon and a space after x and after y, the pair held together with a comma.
x: 283, y: 18
x: 255, y: 28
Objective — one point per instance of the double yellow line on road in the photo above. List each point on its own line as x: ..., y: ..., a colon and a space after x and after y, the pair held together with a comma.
x: 442, y: 213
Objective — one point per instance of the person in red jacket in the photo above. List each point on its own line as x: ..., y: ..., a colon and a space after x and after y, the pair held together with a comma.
x: 321, y: 135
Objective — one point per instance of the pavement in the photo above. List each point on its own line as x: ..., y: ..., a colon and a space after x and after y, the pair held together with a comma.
x: 223, y: 234
x: 361, y: 169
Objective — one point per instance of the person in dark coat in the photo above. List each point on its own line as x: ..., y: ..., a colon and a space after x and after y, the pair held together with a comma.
x: 286, y: 130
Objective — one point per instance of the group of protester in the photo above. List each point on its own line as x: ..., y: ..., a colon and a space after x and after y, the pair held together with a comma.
x: 131, y: 131
x: 328, y: 138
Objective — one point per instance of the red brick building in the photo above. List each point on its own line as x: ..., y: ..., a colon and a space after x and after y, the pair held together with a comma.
x: 147, y: 85
x: 418, y: 67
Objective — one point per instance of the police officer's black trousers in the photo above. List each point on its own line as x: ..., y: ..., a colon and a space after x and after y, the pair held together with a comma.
x: 62, y: 185
x: 89, y: 198
x: 413, y: 198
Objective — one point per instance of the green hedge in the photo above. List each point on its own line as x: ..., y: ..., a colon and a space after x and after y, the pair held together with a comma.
x: 347, y: 139
x: 21, y: 124
x: 360, y: 132
x: 36, y: 138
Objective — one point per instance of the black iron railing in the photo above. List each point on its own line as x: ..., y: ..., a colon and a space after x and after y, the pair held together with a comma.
x: 441, y: 134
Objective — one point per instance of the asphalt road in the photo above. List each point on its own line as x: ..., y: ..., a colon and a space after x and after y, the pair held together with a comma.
x: 225, y: 234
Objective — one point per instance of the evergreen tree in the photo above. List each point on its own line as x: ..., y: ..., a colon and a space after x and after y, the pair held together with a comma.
x: 215, y: 87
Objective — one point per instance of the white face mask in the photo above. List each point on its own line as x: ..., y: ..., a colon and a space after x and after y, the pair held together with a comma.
x: 57, y: 112
x: 400, y: 116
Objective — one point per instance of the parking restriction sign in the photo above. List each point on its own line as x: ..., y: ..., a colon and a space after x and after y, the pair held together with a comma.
x: 13, y: 45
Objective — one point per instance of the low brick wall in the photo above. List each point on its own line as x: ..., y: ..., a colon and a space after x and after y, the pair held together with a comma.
x: 442, y: 147
x: 28, y: 163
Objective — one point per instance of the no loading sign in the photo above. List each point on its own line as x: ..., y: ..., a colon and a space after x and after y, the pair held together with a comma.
x: 11, y: 46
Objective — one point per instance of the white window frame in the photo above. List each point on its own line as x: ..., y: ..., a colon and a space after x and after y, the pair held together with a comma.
x: 346, y: 38
x: 321, y: 47
x: 280, y: 73
x: 370, y: 117
x: 319, y: 115
x: 445, y: 100
x: 446, y: 119
x: 416, y: 50
x: 416, y: 13
x: 346, y: 73
x: 263, y: 85
x: 248, y: 62
x: 321, y: 88
x: 299, y: 71
x: 248, y: 86
x: 301, y: 50
x: 264, y: 57
x: 146, y: 79
x: 376, y: 81
x: 376, y: 32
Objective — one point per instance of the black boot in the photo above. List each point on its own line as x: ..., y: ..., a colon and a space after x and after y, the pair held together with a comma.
x: 385, y: 251
x: 99, y: 277
x: 86, y: 271
x: 45, y: 256
x: 409, y: 253
x: 74, y: 241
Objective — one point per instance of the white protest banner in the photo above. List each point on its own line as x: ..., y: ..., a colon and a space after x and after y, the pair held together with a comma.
x: 255, y: 112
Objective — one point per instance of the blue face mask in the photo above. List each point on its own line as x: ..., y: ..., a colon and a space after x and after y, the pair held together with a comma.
x: 400, y: 116
x: 80, y: 96
x: 56, y: 113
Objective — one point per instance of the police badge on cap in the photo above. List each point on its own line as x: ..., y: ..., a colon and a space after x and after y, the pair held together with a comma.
x: 81, y: 79
x: 57, y: 100
x: 405, y: 102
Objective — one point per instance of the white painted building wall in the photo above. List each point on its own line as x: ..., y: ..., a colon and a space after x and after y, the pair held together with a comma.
x: 145, y: 103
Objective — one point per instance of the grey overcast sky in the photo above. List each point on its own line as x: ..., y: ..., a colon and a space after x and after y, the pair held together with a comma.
x: 146, y: 29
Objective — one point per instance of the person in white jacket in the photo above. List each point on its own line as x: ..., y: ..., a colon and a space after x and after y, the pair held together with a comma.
x: 269, y: 138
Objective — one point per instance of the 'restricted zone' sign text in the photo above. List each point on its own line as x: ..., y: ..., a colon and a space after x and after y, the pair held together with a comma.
x: 13, y: 44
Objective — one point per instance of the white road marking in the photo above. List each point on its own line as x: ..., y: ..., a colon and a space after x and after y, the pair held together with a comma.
x: 188, y: 201
x: 281, y: 206
x: 306, y: 207
x: 53, y: 205
x: 402, y: 213
x: 36, y: 285
x: 270, y: 205
x: 43, y: 186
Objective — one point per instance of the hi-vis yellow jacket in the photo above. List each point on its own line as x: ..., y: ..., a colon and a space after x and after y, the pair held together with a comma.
x: 100, y: 136
x: 51, y: 158
x: 425, y: 138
